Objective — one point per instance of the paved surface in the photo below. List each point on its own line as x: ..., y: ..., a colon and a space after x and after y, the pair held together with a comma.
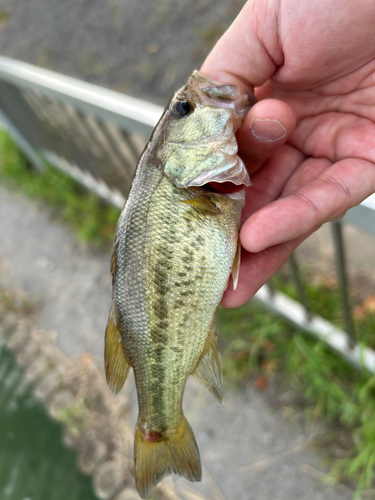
x: 249, y: 450
x: 146, y: 49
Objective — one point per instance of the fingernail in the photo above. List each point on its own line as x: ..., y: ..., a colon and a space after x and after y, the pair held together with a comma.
x: 267, y: 130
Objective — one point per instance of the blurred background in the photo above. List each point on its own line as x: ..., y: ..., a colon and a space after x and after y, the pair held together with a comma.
x: 298, y: 360
x: 145, y: 49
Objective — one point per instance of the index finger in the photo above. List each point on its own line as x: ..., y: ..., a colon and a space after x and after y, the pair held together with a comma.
x: 340, y: 187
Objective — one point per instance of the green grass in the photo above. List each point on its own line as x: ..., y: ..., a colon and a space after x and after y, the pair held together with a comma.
x: 261, y: 348
x: 91, y: 218
x: 4, y: 15
x: 257, y: 346
x: 325, y: 301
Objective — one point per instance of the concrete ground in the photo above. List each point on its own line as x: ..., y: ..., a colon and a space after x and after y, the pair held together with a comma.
x: 249, y: 450
x: 146, y: 49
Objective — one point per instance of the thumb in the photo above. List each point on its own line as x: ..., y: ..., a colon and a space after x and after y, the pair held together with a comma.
x: 248, y: 53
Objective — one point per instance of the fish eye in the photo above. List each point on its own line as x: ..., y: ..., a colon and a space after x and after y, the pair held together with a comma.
x: 183, y: 108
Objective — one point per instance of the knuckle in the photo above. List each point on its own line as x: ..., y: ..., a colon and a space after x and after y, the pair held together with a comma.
x: 334, y: 183
x: 311, y: 206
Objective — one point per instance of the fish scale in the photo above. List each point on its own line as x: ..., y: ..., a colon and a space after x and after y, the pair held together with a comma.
x: 169, y: 253
x: 174, y: 250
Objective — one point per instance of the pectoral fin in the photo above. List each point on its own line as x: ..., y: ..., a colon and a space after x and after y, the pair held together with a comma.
x: 236, y: 265
x: 208, y: 369
x: 116, y: 366
x: 203, y: 203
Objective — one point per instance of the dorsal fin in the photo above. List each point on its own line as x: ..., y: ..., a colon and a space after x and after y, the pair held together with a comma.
x: 116, y: 366
x: 208, y: 369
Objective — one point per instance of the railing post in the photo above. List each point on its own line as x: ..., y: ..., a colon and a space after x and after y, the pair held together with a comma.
x: 342, y: 274
x: 271, y: 288
x: 301, y: 294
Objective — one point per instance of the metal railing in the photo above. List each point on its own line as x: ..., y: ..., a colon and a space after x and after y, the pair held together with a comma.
x: 96, y: 136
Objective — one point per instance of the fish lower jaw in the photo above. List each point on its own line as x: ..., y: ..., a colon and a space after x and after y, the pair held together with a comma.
x: 232, y: 171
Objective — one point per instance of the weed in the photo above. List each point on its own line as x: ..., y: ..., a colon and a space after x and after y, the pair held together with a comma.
x: 207, y: 37
x: 4, y: 15
x: 93, y: 219
x: 146, y: 69
x: 211, y: 34
x: 45, y: 56
x: 11, y: 302
x: 91, y: 65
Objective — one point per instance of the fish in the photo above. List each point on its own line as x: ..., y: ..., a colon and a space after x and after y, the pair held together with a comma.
x: 175, y: 247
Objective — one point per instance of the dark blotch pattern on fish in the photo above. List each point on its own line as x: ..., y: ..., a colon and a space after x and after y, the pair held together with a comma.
x: 171, y: 264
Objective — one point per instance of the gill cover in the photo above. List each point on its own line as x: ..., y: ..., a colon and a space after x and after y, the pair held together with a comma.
x: 199, y: 145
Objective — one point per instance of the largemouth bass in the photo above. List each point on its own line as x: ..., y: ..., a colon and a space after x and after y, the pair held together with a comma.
x: 176, y: 244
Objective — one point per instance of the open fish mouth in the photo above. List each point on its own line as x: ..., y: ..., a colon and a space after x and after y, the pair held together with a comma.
x: 234, y: 173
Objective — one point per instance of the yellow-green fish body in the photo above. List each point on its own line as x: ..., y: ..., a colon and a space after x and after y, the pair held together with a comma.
x: 173, y: 254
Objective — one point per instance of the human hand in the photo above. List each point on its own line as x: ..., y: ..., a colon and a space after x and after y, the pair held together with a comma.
x: 309, y: 143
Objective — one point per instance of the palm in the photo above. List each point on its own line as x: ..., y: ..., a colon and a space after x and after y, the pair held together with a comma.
x: 332, y: 128
x: 326, y: 78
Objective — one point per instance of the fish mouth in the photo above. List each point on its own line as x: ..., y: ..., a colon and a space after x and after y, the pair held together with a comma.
x: 211, y: 92
x: 231, y: 175
x: 226, y: 188
x: 231, y: 172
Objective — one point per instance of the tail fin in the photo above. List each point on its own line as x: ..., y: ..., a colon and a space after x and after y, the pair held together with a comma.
x: 176, y: 452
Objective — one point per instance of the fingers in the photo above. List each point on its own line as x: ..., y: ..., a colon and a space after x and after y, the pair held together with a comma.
x: 266, y: 128
x: 308, y: 171
x: 343, y: 185
x: 257, y: 269
x: 269, y: 182
x: 248, y: 53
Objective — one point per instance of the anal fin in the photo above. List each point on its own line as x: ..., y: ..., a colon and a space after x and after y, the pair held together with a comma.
x: 208, y: 369
x: 116, y: 366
